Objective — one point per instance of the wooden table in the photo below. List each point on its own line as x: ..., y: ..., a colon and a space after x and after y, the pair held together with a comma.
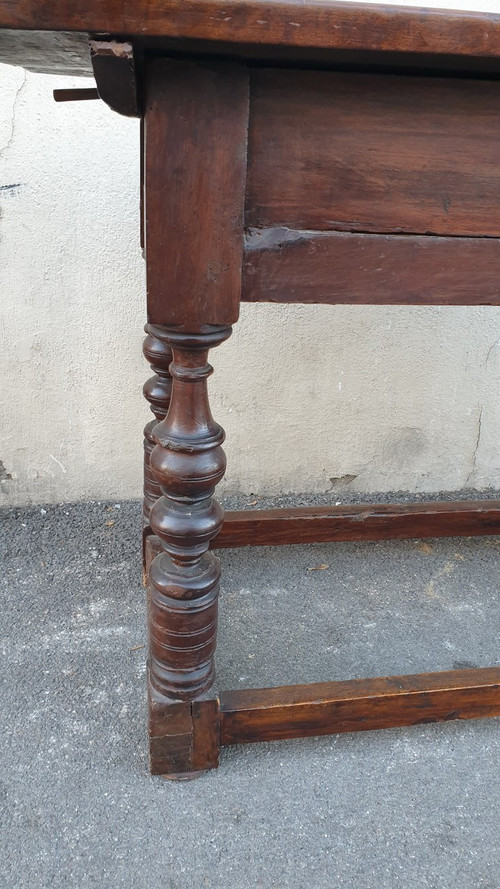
x: 292, y: 152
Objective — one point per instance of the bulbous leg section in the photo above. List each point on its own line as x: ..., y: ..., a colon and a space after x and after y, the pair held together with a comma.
x: 157, y: 390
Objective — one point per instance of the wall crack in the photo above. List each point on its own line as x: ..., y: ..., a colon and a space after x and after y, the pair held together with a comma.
x: 476, y: 448
x: 490, y: 350
x: 13, y: 117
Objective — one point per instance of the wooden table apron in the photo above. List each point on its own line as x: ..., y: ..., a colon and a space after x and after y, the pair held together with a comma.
x: 348, y: 154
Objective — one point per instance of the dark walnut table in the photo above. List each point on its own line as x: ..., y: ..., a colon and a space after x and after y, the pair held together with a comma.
x: 311, y: 152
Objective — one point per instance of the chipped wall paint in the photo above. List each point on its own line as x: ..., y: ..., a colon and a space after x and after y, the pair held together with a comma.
x: 313, y: 398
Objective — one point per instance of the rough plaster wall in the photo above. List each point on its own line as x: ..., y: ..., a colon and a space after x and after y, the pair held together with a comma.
x: 390, y: 398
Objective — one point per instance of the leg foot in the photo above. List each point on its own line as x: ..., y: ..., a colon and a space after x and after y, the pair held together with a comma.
x: 184, y: 736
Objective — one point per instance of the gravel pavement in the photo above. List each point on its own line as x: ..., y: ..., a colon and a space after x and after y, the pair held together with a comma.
x: 416, y: 808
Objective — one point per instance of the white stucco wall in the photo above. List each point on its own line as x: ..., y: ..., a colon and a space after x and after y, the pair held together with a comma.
x: 399, y: 398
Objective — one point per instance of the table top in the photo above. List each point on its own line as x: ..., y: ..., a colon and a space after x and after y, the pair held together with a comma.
x: 52, y: 35
x: 322, y: 24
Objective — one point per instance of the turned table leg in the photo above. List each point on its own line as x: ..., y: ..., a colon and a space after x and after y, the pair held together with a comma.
x: 188, y: 462
x: 195, y: 140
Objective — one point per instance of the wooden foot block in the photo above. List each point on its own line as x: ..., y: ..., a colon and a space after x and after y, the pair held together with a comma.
x: 184, y: 736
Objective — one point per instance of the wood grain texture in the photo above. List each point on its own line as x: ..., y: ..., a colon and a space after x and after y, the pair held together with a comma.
x: 170, y: 735
x: 322, y: 524
x: 329, y: 524
x: 184, y: 736
x: 373, y: 153
x: 206, y: 734
x: 196, y: 124
x: 287, y: 266
x: 317, y: 23
x: 358, y: 705
x: 157, y: 391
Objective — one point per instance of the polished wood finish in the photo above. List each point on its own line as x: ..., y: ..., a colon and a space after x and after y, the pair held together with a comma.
x: 196, y: 124
x: 328, y: 524
x: 373, y: 153
x: 292, y: 23
x: 188, y: 462
x: 195, y: 135
x: 287, y: 266
x: 157, y: 391
x: 361, y: 183
x: 296, y: 711
x: 197, y: 116
x: 333, y: 524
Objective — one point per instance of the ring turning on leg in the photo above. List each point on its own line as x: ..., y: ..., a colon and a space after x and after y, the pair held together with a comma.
x: 188, y: 462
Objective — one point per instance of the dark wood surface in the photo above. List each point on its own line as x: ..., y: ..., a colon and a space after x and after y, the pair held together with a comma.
x: 157, y: 391
x: 184, y: 736
x: 274, y: 22
x: 195, y: 134
x: 411, y: 158
x: 286, y: 266
x: 171, y: 733
x: 187, y: 462
x: 206, y: 734
x: 270, y: 714
x: 321, y: 524
x: 183, y: 580
x: 75, y: 95
x: 373, y: 153
x: 196, y: 123
x: 328, y: 524
x: 113, y: 63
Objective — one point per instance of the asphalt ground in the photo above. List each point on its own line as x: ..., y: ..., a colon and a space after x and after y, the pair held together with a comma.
x: 414, y: 807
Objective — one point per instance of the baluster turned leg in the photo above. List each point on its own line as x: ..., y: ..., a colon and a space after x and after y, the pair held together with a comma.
x: 157, y: 391
x: 196, y: 131
x: 188, y: 462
